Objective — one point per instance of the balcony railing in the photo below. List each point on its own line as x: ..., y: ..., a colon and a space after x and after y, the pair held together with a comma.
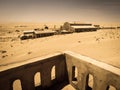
x: 56, y: 71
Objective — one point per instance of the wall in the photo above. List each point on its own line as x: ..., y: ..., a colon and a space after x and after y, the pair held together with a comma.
x: 104, y: 75
x: 26, y: 72
x: 82, y: 72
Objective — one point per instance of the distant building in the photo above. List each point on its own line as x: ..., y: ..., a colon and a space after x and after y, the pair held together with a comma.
x: 79, y: 27
x: 29, y: 34
x: 65, y: 32
x: 108, y: 27
x: 44, y: 33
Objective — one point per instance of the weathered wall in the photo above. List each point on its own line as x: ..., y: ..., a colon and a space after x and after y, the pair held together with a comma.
x: 25, y: 73
x: 103, y: 74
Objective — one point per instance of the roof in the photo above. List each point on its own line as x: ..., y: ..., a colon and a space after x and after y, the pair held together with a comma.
x: 46, y: 31
x: 28, y: 31
x: 83, y: 27
x: 64, y: 31
x: 80, y: 24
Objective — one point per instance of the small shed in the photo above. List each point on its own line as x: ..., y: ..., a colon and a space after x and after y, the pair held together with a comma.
x: 27, y: 34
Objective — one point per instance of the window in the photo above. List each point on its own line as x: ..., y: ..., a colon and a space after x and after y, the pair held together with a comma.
x: 37, y: 79
x: 17, y: 85
x: 53, y: 73
x: 110, y: 87
x: 89, y: 82
x: 74, y: 74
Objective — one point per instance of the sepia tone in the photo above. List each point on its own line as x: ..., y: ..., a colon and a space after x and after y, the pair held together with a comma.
x: 59, y: 45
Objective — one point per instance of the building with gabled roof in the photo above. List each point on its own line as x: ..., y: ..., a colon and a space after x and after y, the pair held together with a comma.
x: 79, y: 27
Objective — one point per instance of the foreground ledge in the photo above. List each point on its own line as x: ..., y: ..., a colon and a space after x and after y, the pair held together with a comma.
x: 70, y: 68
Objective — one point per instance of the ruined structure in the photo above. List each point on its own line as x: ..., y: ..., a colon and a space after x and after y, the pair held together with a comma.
x: 79, y: 27
x: 70, y: 68
x: 29, y: 34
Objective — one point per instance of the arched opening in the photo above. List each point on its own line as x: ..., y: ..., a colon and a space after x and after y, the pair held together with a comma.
x: 74, y: 74
x: 110, y: 87
x: 17, y: 85
x: 37, y: 79
x: 53, y: 73
x: 89, y: 82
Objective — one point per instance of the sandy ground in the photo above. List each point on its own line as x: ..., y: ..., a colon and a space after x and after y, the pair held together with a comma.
x: 102, y: 45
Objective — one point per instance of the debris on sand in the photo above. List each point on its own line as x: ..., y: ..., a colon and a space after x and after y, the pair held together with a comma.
x: 11, y: 45
x: 97, y: 39
x: 102, y: 37
x: 3, y: 51
x: 4, y: 56
x: 29, y: 52
x: 79, y: 41
x: 17, y: 30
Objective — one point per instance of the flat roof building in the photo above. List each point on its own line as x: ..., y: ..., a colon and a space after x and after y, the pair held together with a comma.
x: 27, y: 34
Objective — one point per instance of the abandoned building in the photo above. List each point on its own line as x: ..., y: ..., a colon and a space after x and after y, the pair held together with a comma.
x: 29, y: 34
x: 67, y: 28
x: 44, y: 33
x: 58, y: 70
x: 79, y: 27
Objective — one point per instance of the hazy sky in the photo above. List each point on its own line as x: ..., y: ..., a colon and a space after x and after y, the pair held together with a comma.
x: 60, y: 10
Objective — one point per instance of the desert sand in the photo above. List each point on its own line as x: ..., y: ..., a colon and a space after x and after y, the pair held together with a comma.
x: 102, y: 45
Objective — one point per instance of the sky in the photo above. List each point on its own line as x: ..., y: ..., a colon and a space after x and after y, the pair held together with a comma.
x: 96, y: 11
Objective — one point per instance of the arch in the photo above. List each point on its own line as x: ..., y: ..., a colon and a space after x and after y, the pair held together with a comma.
x: 37, y: 79
x: 110, y: 87
x: 74, y: 74
x: 17, y: 85
x: 89, y: 82
x: 53, y: 72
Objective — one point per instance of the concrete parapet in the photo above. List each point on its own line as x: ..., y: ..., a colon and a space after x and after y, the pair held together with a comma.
x: 27, y: 70
x: 82, y: 72
x: 104, y: 75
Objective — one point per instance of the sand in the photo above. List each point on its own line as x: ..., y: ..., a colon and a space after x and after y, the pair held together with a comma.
x: 102, y: 45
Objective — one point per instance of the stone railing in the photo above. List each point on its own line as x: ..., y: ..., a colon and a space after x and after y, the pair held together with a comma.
x: 88, y: 74
x: 82, y: 72
x: 25, y: 72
